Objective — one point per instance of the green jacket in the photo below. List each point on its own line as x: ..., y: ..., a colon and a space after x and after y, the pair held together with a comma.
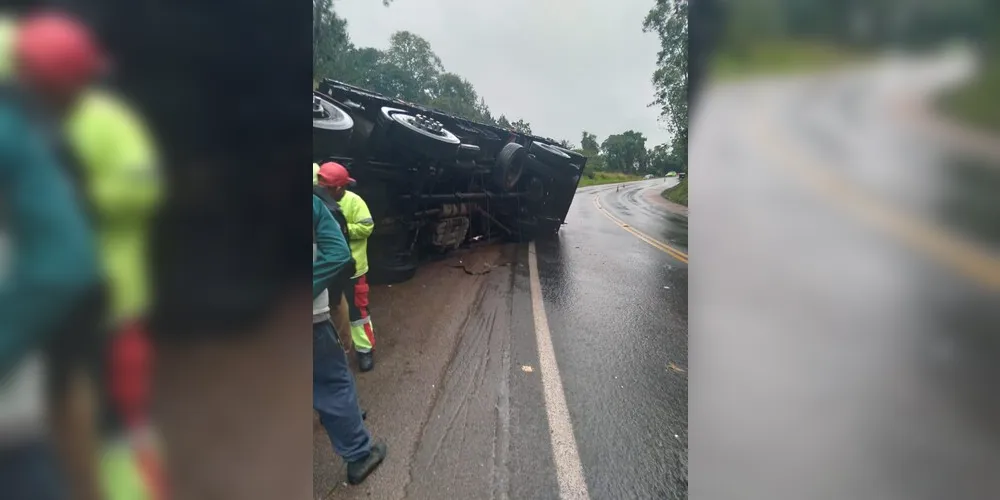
x: 8, y: 29
x: 53, y: 262
x: 359, y: 227
x: 332, y: 252
x: 122, y: 184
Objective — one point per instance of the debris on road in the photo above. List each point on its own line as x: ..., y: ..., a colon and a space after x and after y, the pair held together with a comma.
x: 673, y: 366
x: 527, y: 368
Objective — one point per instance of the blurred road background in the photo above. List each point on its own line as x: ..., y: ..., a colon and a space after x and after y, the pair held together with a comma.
x: 458, y: 390
x: 846, y: 288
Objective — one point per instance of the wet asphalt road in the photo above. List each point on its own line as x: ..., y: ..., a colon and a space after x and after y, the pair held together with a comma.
x: 617, y: 308
x: 844, y: 305
x: 457, y: 391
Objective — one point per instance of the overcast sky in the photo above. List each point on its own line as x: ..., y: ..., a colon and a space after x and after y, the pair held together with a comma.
x: 564, y: 66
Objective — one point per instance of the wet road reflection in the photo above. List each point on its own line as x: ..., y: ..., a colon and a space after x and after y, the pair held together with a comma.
x: 640, y: 205
x: 835, y: 358
x: 617, y: 310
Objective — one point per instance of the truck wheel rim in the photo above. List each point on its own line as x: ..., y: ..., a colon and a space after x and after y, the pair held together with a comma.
x: 329, y: 116
x: 425, y: 126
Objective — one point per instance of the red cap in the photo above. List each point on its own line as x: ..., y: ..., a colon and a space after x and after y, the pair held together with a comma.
x: 333, y: 174
x: 58, y: 52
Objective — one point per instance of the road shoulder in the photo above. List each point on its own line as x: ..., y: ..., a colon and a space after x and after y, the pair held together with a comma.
x: 653, y: 196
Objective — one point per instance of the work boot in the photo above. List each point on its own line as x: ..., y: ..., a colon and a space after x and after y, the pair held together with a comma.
x: 358, y: 470
x: 366, y: 361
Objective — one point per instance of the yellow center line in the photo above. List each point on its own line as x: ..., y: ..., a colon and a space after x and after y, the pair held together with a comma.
x: 673, y: 252
x: 963, y: 256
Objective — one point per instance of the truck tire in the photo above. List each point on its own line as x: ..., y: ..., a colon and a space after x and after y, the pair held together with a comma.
x: 576, y: 159
x: 509, y: 166
x: 332, y: 127
x: 419, y: 134
x: 551, y: 155
x: 398, y: 268
x: 545, y: 170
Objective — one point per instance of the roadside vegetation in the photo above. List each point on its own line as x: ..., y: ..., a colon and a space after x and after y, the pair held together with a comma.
x: 784, y: 58
x: 608, y: 178
x: 677, y: 194
x: 978, y: 102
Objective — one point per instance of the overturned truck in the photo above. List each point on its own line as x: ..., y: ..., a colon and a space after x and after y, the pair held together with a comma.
x: 435, y: 182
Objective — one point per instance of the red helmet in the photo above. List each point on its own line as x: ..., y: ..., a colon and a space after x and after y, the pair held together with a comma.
x: 333, y: 174
x: 57, y: 52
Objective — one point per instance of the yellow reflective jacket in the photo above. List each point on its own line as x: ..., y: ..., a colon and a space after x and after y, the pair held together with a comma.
x: 121, y: 173
x: 8, y: 30
x: 359, y: 227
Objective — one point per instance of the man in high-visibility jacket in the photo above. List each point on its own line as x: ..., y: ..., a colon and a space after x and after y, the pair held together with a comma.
x: 57, y: 57
x: 335, y: 178
x: 340, y: 313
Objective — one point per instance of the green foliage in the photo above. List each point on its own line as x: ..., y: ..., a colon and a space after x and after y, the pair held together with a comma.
x: 522, y: 127
x: 977, y: 102
x: 419, y: 68
x: 668, y: 19
x: 626, y: 152
x: 329, y: 39
x: 607, y: 178
x: 663, y: 159
x: 855, y: 23
x: 588, y: 142
x: 677, y: 194
x: 777, y: 58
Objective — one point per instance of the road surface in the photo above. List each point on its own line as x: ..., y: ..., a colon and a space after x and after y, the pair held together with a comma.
x: 482, y: 395
x: 844, y: 299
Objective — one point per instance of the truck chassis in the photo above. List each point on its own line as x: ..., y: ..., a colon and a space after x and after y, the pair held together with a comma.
x: 436, y: 182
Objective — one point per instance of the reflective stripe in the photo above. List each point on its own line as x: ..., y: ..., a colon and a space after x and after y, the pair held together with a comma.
x: 366, y: 222
x: 361, y: 322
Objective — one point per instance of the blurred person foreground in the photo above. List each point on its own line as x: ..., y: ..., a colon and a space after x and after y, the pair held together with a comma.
x: 846, y: 345
x: 98, y: 369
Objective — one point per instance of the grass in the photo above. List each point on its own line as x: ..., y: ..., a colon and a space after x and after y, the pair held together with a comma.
x: 608, y: 178
x: 677, y: 194
x: 978, y: 102
x: 783, y: 58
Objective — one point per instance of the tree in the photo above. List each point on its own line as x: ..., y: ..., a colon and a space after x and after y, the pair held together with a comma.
x: 566, y: 144
x: 414, y: 66
x: 503, y: 123
x: 454, y: 94
x: 330, y: 40
x: 660, y: 160
x: 626, y: 152
x: 588, y: 142
x: 668, y: 19
x: 522, y: 127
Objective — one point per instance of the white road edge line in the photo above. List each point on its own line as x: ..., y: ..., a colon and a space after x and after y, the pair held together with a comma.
x: 569, y: 470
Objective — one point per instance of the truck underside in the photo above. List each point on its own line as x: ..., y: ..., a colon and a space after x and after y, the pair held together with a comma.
x: 435, y: 182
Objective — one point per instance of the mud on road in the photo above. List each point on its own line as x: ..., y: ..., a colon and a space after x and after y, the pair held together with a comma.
x: 442, y: 360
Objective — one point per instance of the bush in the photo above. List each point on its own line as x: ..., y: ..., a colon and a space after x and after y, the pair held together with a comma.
x: 677, y: 194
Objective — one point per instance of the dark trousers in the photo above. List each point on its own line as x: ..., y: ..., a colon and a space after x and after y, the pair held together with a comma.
x: 335, y: 396
x: 31, y: 471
